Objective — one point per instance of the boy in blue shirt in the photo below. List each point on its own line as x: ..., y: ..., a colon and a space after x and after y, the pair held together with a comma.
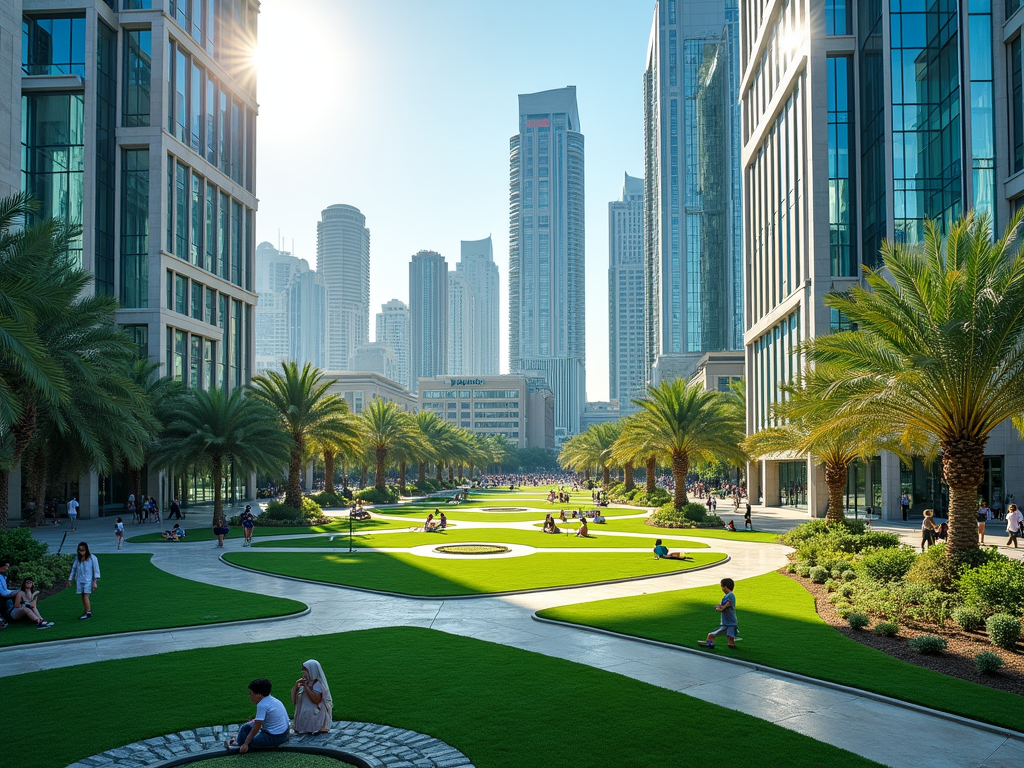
x: 728, y: 621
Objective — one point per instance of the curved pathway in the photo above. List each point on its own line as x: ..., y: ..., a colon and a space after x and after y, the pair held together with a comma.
x: 864, y: 724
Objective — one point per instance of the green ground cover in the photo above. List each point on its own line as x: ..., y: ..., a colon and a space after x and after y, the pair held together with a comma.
x: 205, y: 533
x: 456, y: 513
x: 133, y: 595
x: 498, y: 705
x: 444, y: 577
x: 637, y: 525
x: 781, y: 629
x: 597, y: 538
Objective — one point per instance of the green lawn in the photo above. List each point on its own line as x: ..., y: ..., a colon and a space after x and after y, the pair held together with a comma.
x: 639, y: 525
x: 133, y: 595
x: 597, y: 538
x: 205, y: 533
x: 443, y: 577
x: 502, y: 707
x: 781, y: 629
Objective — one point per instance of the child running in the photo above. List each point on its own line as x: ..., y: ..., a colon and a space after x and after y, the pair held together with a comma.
x: 119, y: 531
x: 728, y: 621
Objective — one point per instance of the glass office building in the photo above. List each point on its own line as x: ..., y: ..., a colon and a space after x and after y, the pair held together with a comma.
x: 627, y: 376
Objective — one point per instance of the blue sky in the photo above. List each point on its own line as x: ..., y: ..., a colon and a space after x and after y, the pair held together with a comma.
x: 404, y: 109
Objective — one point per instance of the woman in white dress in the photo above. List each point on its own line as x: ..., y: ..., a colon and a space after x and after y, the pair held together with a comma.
x: 314, y: 707
x: 85, y: 572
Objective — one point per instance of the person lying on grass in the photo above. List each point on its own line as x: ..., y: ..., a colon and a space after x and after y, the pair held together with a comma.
x: 269, y: 728
x: 727, y: 607
x: 661, y: 551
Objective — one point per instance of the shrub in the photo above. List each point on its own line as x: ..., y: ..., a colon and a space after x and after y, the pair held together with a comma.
x: 830, y: 585
x: 1003, y: 630
x: 928, y: 644
x: 373, y: 496
x: 888, y: 565
x: 996, y: 586
x: 849, y: 575
x: 791, y: 568
x: 818, y: 574
x: 426, y: 486
x: 329, y: 499
x: 711, y: 521
x: 858, y: 620
x: 987, y: 662
x: 670, y: 517
x: 278, y: 515
x: 47, y: 571
x: 968, y: 618
x: 845, y: 591
x: 18, y: 546
x: 932, y: 567
x: 887, y: 628
x: 844, y: 610
x: 803, y: 569
x: 814, y: 528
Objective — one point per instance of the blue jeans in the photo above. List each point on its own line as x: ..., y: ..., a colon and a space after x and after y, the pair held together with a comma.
x: 261, y: 740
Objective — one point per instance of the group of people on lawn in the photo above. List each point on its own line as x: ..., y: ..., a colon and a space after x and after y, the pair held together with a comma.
x: 23, y: 603
x: 435, y: 524
x: 314, y: 711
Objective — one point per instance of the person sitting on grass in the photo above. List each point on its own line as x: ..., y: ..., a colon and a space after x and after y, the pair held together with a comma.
x: 727, y: 607
x: 177, y: 533
x: 561, y: 516
x: 549, y: 525
x: 583, y: 530
x: 269, y: 728
x: 730, y: 526
x: 443, y: 523
x: 430, y: 525
x: 599, y: 518
x: 661, y: 552
x: 25, y: 605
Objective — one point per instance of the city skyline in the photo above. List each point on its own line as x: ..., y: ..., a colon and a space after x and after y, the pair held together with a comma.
x: 454, y: 182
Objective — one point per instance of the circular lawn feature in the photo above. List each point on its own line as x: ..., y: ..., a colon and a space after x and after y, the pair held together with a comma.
x: 504, y: 509
x: 472, y: 549
x: 271, y: 759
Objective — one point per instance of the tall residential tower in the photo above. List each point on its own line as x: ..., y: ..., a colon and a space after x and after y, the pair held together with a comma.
x: 627, y: 374
x: 343, y: 258
x: 547, y: 331
x: 476, y: 265
x: 428, y: 315
x: 393, y: 331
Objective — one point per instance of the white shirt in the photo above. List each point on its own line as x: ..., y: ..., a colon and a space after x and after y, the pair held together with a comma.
x: 273, y: 715
x: 1013, y: 521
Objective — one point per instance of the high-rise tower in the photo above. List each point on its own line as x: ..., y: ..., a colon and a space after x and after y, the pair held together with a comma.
x: 393, y: 331
x: 428, y: 315
x: 476, y: 265
x: 627, y: 374
x: 547, y: 333
x: 461, y: 326
x: 343, y: 258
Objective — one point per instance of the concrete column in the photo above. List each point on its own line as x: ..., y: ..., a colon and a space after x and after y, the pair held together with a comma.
x: 753, y: 480
x: 14, y: 497
x: 250, y: 488
x: 88, y: 496
x: 307, y: 477
x: 891, y: 487
x: 770, y: 484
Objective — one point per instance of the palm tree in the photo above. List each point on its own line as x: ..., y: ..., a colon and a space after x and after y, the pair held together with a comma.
x: 434, y: 430
x: 633, y: 447
x: 939, y: 352
x: 307, y: 412
x: 160, y: 393
x: 385, y: 427
x: 688, y: 424
x: 210, y: 429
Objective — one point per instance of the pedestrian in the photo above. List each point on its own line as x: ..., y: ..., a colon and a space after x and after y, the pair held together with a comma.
x: 220, y: 530
x: 6, y: 593
x: 119, y: 531
x: 175, y: 510
x: 248, y: 521
x: 270, y: 726
x: 928, y: 529
x: 728, y: 623
x: 984, y: 515
x: 55, y: 511
x: 154, y: 509
x: 1014, y: 522
x: 747, y: 523
x: 904, y: 504
x: 73, y: 511
x: 85, y: 572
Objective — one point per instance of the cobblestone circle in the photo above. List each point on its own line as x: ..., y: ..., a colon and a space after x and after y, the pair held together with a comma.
x: 378, y: 746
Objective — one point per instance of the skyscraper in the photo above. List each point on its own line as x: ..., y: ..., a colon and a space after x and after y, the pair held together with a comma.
x: 428, y: 315
x: 461, y: 330
x: 308, y: 332
x: 547, y: 333
x: 393, y: 330
x: 627, y: 374
x: 274, y: 271
x: 343, y: 258
x: 476, y: 265
x: 693, y: 248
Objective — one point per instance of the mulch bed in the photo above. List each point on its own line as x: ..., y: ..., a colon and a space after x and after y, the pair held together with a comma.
x: 956, y: 661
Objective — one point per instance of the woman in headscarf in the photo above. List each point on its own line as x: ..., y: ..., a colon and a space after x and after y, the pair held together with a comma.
x: 314, y: 708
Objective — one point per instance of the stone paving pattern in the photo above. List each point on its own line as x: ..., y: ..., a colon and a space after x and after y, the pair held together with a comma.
x: 380, y: 746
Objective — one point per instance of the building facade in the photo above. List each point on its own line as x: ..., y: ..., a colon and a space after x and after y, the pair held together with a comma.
x: 476, y: 266
x: 343, y: 258
x: 393, y: 331
x: 309, y: 331
x: 627, y: 373
x: 138, y: 120
x: 547, y: 310
x: 360, y: 387
x: 461, y: 314
x: 692, y: 220
x: 374, y: 357
x: 520, y: 409
x: 600, y: 412
x: 428, y: 315
x: 854, y: 132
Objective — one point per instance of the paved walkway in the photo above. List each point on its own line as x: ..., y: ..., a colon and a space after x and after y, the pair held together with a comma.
x: 859, y: 723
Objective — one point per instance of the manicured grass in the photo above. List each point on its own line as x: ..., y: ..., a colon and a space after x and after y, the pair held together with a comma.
x: 502, y: 707
x: 597, y: 538
x: 443, y: 577
x: 638, y: 525
x: 133, y: 595
x: 205, y: 533
x: 781, y: 629
x: 455, y: 513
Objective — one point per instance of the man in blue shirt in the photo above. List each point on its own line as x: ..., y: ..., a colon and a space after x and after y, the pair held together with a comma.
x: 727, y: 607
x: 6, y: 593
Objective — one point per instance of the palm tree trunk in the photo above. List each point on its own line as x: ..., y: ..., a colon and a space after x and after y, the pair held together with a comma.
x: 39, y: 487
x: 421, y: 469
x: 440, y: 469
x: 217, y: 471
x: 22, y: 430
x: 362, y: 475
x: 651, y: 469
x: 136, y: 484
x: 963, y: 468
x: 627, y: 476
x: 379, y: 479
x: 5, y: 487
x: 460, y: 472
x: 835, y: 479
x: 329, y: 470
x: 605, y: 476
x: 293, y: 496
x: 451, y: 474
x: 401, y: 477
x: 680, y: 469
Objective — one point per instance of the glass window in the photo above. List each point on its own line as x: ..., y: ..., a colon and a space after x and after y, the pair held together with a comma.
x: 222, y: 127
x: 138, y: 49
x: 837, y: 17
x: 181, y: 69
x: 195, y: 361
x: 210, y: 249
x: 223, y: 323
x: 139, y: 335
x: 1012, y: 6
x: 197, y: 300
x: 211, y: 306
x: 236, y: 242
x: 136, y: 5
x: 106, y: 159
x: 181, y: 212
x: 181, y: 294
x: 236, y: 141
x: 180, y: 362
x: 134, y: 228
x: 196, y: 93
x: 53, y: 45
x: 211, y: 119
x: 223, y: 256
x: 196, y: 244
x: 840, y: 171
x: 208, y: 352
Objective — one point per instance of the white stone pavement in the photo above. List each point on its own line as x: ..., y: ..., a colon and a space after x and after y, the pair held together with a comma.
x: 886, y: 732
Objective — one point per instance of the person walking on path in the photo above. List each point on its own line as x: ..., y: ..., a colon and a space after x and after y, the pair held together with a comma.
x: 220, y: 530
x: 85, y: 572
x: 248, y: 521
x: 119, y: 531
x: 928, y: 529
x: 175, y: 510
x: 55, y: 511
x: 1014, y: 522
x: 728, y: 623
x: 73, y: 511
x: 904, y: 504
x: 984, y: 515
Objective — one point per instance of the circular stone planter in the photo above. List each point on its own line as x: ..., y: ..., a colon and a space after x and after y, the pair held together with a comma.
x: 365, y: 745
x: 472, y: 549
